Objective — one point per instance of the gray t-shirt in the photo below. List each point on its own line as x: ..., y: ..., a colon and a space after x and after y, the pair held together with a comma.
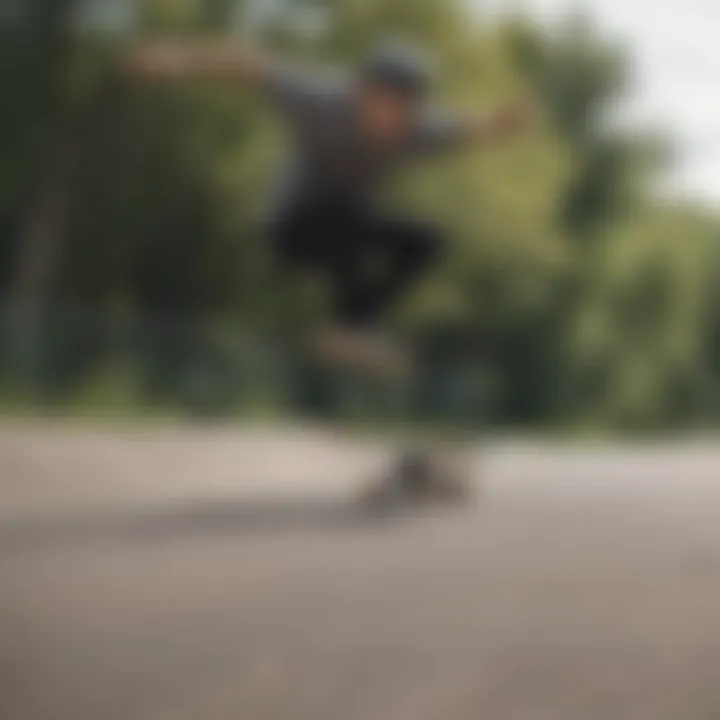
x: 331, y: 154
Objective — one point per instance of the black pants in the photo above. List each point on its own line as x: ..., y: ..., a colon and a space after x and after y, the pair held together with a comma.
x: 370, y: 260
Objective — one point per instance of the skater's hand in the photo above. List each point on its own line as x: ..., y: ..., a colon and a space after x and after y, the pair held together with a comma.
x: 512, y: 119
x: 505, y: 123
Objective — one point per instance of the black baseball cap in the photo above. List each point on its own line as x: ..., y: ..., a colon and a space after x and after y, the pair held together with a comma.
x: 399, y: 67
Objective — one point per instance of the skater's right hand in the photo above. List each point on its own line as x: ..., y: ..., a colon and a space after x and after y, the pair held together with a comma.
x: 513, y: 118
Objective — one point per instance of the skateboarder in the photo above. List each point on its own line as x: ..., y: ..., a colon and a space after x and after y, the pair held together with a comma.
x: 351, y: 132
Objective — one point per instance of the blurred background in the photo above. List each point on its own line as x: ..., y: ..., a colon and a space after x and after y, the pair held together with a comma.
x: 152, y: 569
x: 582, y: 284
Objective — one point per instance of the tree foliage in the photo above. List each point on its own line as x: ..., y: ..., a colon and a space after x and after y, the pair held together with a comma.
x: 567, y: 294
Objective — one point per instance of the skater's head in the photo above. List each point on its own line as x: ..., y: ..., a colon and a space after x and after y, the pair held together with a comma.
x: 394, y: 83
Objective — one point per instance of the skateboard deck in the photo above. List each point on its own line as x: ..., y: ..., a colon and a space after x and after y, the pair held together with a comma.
x: 422, y: 477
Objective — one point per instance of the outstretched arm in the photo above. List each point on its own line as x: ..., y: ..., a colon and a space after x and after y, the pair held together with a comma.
x: 441, y: 133
x: 171, y: 60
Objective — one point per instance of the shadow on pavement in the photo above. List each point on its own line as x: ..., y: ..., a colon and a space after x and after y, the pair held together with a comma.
x: 187, y: 520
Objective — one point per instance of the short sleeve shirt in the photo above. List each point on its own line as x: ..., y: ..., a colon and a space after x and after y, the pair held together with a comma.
x: 331, y: 153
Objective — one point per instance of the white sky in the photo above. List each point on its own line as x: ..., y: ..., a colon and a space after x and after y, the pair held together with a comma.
x: 676, y: 48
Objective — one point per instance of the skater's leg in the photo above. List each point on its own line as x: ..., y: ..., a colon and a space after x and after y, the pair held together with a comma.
x: 368, y: 261
x: 380, y: 261
x: 304, y: 235
x: 410, y: 250
x: 327, y: 239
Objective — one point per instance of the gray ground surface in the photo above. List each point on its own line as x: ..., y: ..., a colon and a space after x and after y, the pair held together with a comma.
x: 218, y: 575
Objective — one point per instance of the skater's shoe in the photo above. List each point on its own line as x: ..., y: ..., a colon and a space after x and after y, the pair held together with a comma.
x: 364, y: 351
x: 434, y: 477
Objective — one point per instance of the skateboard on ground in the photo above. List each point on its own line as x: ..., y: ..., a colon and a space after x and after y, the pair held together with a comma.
x: 422, y: 477
x: 429, y: 472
